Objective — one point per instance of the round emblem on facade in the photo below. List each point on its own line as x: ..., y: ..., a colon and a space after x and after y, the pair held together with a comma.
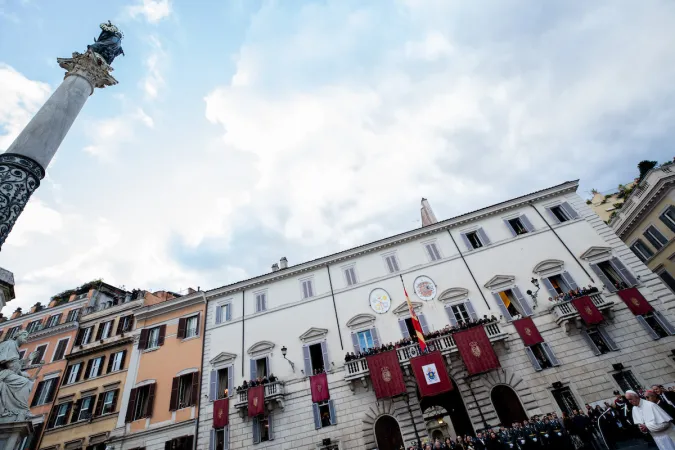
x: 424, y: 288
x: 475, y: 349
x: 528, y: 331
x: 386, y: 374
x: 635, y: 301
x: 380, y: 301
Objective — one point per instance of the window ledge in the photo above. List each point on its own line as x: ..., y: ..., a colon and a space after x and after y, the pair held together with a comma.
x: 189, y: 338
x: 147, y: 350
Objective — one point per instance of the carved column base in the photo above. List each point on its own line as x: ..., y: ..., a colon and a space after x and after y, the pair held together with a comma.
x: 19, y: 177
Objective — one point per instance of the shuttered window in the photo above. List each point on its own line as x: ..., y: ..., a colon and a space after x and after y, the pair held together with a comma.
x: 307, y: 288
x: 324, y: 414
x: 261, y: 301
x: 60, y: 351
x: 350, y: 276
x: 432, y: 251
x: 655, y: 237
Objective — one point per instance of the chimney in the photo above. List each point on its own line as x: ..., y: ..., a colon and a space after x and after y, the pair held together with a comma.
x: 275, y: 267
x: 16, y: 313
x: 283, y: 263
x: 428, y: 216
x: 35, y: 308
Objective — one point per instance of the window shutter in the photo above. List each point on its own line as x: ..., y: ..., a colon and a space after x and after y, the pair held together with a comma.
x: 58, y: 316
x: 120, y: 322
x: 270, y: 420
x: 469, y: 247
x: 226, y: 438
x: 650, y: 331
x: 324, y: 352
x: 195, y: 388
x: 317, y: 416
x: 304, y: 290
x: 502, y: 307
x: 116, y: 394
x: 129, y: 417
x: 61, y: 349
x: 212, y: 442
x: 355, y: 343
x: 99, y: 331
x: 143, y: 340
x: 68, y: 409
x: 594, y: 348
x: 533, y: 359
x: 526, y: 223
x: 510, y: 228
x: 610, y: 342
x: 124, y: 359
x: 451, y: 315
x: 665, y: 324
x: 669, y: 223
x: 404, y: 328
x: 52, y: 417
x: 523, y: 302
x: 213, y: 385
x: 79, y: 372
x: 228, y: 312
x: 569, y: 210
x: 268, y: 367
x: 181, y: 329
x: 598, y: 271
x: 310, y: 288
x: 308, y: 360
x: 256, y: 431
x: 78, y: 339
x: 623, y: 271
x: 38, y: 391
x: 173, y: 402
x: 423, y: 323
x: 100, y: 367
x: 76, y: 411
x: 99, y: 404
x: 151, y: 401
x: 198, y: 331
x: 253, y: 369
x: 550, y: 354
x: 110, y: 363
x: 162, y: 334
x: 376, y: 338
x: 470, y: 310
x: 569, y: 280
x: 394, y: 262
x: 219, y: 314
x: 549, y: 287
x: 52, y: 390
x: 87, y: 374
x: 553, y: 216
x: 483, y: 237
x: 331, y: 409
x: 658, y: 236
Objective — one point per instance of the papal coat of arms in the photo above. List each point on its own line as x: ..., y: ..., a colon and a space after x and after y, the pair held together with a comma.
x: 528, y: 331
x: 635, y: 301
x: 475, y: 349
x: 386, y: 374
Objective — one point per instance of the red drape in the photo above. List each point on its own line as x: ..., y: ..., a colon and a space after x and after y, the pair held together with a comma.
x: 476, y: 350
x: 635, y: 301
x: 221, y: 413
x: 386, y: 375
x: 431, y: 375
x: 256, y: 401
x: 528, y: 331
x: 319, y: 385
x: 587, y: 310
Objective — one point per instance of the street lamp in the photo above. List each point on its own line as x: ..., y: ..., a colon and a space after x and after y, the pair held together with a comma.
x: 284, y: 350
x: 535, y: 282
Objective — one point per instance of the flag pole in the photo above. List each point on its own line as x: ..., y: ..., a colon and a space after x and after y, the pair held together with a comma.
x: 415, y: 321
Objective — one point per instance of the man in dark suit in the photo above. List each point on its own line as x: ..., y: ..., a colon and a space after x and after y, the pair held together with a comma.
x: 667, y: 407
x: 666, y: 396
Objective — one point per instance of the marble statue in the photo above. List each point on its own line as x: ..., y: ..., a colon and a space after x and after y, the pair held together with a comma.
x: 15, y: 384
x: 109, y: 42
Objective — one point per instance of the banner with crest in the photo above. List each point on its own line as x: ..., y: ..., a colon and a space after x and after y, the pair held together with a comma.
x: 635, y: 301
x: 431, y: 375
x: 221, y: 410
x: 476, y: 350
x: 386, y: 374
x: 528, y: 331
x: 256, y: 401
x: 587, y: 310
x: 319, y: 386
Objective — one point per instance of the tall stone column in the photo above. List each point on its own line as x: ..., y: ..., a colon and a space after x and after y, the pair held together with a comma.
x: 24, y: 163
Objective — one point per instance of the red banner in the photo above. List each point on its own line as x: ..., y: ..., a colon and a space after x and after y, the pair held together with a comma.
x: 319, y: 385
x: 221, y: 413
x: 637, y: 304
x: 587, y: 310
x: 386, y: 375
x: 476, y: 350
x: 431, y: 375
x: 256, y: 401
x: 528, y: 331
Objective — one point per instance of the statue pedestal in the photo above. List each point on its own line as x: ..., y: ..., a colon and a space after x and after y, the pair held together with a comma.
x: 12, y: 434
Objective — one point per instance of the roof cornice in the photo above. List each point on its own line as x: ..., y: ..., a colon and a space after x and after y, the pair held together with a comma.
x: 42, y: 313
x: 457, y: 221
x: 146, y: 312
x: 645, y: 205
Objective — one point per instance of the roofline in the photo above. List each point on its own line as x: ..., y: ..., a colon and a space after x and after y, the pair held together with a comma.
x: 49, y: 311
x: 568, y: 186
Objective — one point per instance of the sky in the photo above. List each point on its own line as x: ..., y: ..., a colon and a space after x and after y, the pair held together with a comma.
x: 242, y: 131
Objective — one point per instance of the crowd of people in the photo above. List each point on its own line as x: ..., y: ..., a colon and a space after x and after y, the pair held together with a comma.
x: 574, y: 293
x: 260, y: 381
x: 449, y: 329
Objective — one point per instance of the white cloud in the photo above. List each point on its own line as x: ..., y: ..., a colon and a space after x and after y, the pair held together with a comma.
x: 152, y: 10
x: 154, y: 80
x: 37, y: 218
x: 107, y: 136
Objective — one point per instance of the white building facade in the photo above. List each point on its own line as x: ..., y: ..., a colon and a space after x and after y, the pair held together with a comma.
x: 295, y: 319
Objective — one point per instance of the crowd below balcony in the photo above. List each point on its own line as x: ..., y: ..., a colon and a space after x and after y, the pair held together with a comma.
x: 260, y: 381
x: 448, y: 330
x: 579, y: 292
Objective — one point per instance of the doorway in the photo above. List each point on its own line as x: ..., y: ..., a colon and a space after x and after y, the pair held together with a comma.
x: 388, y: 434
x: 453, y: 403
x: 507, y: 405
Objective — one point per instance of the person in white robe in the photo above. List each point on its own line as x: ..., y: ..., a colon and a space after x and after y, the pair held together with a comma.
x: 651, y: 418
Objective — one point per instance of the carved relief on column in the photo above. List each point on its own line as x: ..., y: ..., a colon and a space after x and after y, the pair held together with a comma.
x: 89, y: 65
x: 19, y: 177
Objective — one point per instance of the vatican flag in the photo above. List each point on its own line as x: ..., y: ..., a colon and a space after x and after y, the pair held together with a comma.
x: 431, y: 374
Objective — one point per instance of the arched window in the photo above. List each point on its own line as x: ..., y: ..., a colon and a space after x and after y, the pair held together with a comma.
x: 507, y: 405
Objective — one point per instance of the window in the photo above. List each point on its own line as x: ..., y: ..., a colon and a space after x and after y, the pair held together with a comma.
x: 153, y: 338
x: 627, y: 381
x: 656, y: 325
x: 223, y: 313
x: 613, y: 274
x: 12, y: 332
x: 219, y: 438
x: 562, y: 213
x: 263, y: 429
x: 668, y: 218
x: 655, y: 237
x: 84, y: 336
x: 73, y: 315
x: 261, y: 368
x: 184, y: 391
x: 475, y: 239
x: 565, y: 400
x: 599, y: 341
x: 86, y: 408
x: 559, y: 214
x: 60, y: 351
x: 94, y: 367
x: 222, y: 383
x: 108, y: 401
x: 307, y: 288
x: 519, y: 225
x: 61, y: 414
x: 365, y: 340
x: 512, y: 304
x: 668, y: 279
x: 392, y: 263
x: 73, y: 373
x: 432, y: 251
x: 261, y: 300
x: 39, y: 354
x: 179, y: 443
x: 141, y: 402
x: 324, y: 414
x: 116, y: 361
x: 350, y: 276
x: 104, y: 330
x: 188, y: 327
x: 34, y: 326
x: 53, y: 320
x: 45, y: 392
x: 460, y: 313
x: 125, y: 324
x: 316, y: 358
x: 641, y: 250
x: 541, y: 356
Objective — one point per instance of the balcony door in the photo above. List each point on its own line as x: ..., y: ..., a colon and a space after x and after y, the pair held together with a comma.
x: 388, y: 434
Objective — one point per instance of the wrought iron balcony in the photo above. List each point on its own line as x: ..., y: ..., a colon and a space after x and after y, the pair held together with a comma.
x: 566, y: 312
x: 274, y: 392
x: 358, y: 368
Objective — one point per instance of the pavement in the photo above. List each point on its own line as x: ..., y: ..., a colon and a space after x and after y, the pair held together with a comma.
x: 634, y: 445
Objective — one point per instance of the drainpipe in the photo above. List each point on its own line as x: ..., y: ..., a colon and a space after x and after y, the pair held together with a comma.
x: 469, y: 269
x: 199, y: 397
x: 337, y: 322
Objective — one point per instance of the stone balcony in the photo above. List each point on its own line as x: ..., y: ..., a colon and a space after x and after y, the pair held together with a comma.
x: 565, y: 312
x: 358, y: 369
x: 274, y: 392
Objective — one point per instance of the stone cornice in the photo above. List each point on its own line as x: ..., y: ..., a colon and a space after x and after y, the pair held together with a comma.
x: 645, y: 206
x: 175, y: 304
x: 29, y: 317
x: 96, y: 346
x: 111, y: 311
x: 52, y: 331
x: 336, y: 258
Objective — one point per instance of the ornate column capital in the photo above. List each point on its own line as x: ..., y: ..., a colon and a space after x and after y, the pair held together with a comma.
x: 89, y: 65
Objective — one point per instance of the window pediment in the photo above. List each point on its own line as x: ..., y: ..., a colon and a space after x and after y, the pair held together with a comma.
x: 223, y: 358
x: 548, y: 267
x: 260, y: 348
x: 596, y: 253
x: 361, y: 321
x: 402, y: 309
x: 186, y: 371
x: 313, y: 334
x: 500, y: 282
x: 453, y: 295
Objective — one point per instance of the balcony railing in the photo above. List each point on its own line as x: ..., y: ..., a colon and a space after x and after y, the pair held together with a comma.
x: 273, y: 392
x: 565, y: 311
x: 446, y: 344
